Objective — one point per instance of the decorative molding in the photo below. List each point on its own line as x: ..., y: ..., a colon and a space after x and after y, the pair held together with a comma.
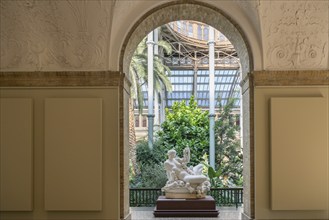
x: 55, y: 35
x: 290, y: 78
x: 186, y: 10
x: 285, y: 78
x: 55, y: 79
x: 295, y: 34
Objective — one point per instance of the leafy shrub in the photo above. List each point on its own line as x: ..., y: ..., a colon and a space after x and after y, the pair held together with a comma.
x: 150, y: 165
x: 188, y: 126
x: 153, y: 176
x: 147, y: 156
x: 185, y: 126
x: 228, y: 148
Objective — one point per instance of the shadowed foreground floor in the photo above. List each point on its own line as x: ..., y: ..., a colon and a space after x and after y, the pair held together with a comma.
x: 145, y: 213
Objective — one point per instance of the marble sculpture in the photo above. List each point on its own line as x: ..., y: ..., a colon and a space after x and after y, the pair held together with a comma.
x: 183, y: 181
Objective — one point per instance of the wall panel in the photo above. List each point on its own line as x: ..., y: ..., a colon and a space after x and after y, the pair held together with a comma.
x: 73, y: 154
x: 299, y: 140
x: 107, y: 131
x: 263, y: 179
x: 16, y: 151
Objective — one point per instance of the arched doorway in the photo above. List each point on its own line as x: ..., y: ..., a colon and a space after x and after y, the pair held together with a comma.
x: 212, y: 16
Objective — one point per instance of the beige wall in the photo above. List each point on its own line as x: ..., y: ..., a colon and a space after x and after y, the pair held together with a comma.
x: 263, y: 159
x: 77, y: 35
x: 75, y: 170
x: 55, y: 35
x: 295, y: 34
x: 16, y: 156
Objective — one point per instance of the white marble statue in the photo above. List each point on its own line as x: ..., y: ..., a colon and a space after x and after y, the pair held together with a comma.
x: 183, y: 181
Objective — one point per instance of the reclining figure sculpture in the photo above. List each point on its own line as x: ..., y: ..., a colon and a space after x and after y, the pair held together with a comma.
x: 184, y: 182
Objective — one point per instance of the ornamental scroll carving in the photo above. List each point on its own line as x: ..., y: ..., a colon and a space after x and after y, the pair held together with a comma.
x: 54, y: 35
x: 295, y: 34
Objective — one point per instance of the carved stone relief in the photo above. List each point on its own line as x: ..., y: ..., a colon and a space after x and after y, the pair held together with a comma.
x: 54, y: 35
x: 295, y: 34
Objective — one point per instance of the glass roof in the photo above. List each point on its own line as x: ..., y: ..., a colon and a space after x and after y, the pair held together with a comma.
x: 226, y: 86
x: 188, y: 40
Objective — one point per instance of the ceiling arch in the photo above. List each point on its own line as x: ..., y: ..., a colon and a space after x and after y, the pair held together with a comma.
x: 188, y: 11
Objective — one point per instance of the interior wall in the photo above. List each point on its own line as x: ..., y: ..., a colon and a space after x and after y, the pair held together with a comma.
x: 295, y: 34
x: 55, y: 35
x: 263, y: 157
x: 184, y: 11
x: 16, y: 134
x: 88, y: 35
x: 225, y: 16
x: 74, y: 153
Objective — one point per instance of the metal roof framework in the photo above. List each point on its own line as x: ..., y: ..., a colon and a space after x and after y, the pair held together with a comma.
x: 189, y: 65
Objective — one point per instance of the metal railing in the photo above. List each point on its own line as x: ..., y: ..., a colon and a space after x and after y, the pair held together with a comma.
x: 143, y: 197
x: 227, y: 196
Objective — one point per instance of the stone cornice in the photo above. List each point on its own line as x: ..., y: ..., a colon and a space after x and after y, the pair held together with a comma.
x: 290, y: 78
x: 65, y: 78
x: 287, y: 78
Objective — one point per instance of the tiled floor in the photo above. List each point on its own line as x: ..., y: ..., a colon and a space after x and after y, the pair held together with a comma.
x: 146, y: 213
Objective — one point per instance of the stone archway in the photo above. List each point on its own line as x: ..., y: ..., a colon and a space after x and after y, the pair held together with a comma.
x: 212, y: 16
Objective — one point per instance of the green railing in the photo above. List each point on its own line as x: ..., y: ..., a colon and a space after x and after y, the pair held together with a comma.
x: 143, y: 197
x: 227, y: 196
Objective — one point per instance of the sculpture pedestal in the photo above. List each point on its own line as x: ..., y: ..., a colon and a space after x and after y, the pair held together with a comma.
x: 205, y: 207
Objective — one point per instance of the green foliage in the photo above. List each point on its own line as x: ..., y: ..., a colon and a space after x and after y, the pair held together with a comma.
x: 150, y: 165
x: 228, y: 148
x: 214, y: 174
x: 138, y: 71
x: 215, y: 177
x: 151, y: 176
x: 188, y: 126
x: 185, y: 126
x: 147, y: 156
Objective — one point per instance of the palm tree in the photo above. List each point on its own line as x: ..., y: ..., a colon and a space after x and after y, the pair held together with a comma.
x: 138, y: 74
x: 138, y: 71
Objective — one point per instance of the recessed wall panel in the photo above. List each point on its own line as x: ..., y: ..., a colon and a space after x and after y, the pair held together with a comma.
x: 16, y: 154
x: 73, y: 154
x: 299, y: 153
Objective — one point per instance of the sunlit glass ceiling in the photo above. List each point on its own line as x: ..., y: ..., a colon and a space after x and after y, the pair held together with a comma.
x: 226, y: 87
x: 190, y: 54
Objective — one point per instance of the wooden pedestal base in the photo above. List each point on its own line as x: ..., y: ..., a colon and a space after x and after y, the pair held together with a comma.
x: 205, y: 207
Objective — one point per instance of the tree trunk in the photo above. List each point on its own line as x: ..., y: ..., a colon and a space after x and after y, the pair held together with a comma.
x: 132, y: 137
